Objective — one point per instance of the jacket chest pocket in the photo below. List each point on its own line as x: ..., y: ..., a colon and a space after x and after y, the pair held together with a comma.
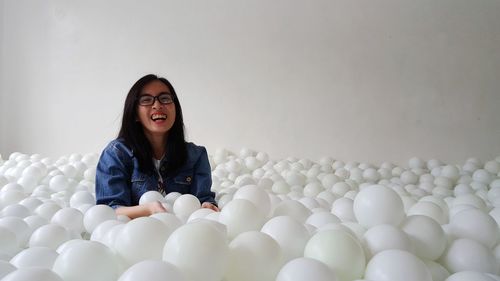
x: 138, y: 185
x: 181, y: 182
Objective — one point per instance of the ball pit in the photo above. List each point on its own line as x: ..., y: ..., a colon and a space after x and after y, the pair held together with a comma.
x: 286, y: 220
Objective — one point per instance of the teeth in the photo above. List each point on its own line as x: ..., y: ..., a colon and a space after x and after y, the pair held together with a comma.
x: 158, y: 116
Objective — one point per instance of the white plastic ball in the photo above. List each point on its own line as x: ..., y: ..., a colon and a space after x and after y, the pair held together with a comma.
x: 482, y: 176
x: 109, y: 238
x: 258, y: 196
x: 470, y: 199
x: 306, y: 269
x: 85, y: 207
x: 376, y: 205
x: 31, y: 203
x: 292, y: 208
x: 89, y: 174
x: 429, y: 209
x: 339, y: 251
x: 96, y: 215
x: 451, y: 172
x: 244, y: 179
x: 392, y: 265
x: 47, y: 209
x: 438, y: 272
x: 252, y: 163
x: 343, y: 209
x: 59, y: 183
x: 69, y: 218
x: 492, y: 167
x: 461, y: 189
x: 265, y: 183
x: 281, y: 187
x: 185, y: 205
x: 426, y: 235
x: 329, y: 180
x: 312, y: 189
x: 433, y: 163
x: 32, y: 273
x: 6, y: 268
x: 87, y: 260
x: 142, y: 239
x: 309, y: 203
x: 322, y: 218
x: 28, y: 183
x: 200, y: 214
x: 495, y: 277
x: 295, y: 178
x: 192, y: 247
x: 233, y: 166
x: 494, y: 191
x: 386, y: 237
x: 495, y: 214
x: 170, y: 220
x: 371, y: 175
x: 262, y: 156
x: 384, y: 173
x: 35, y: 257
x: 466, y: 254
x: 19, y: 227
x: 152, y: 270
x: 81, y: 197
x: 49, y: 235
x: 408, y: 177
x: 10, y: 196
x: 416, y: 163
x: 8, y: 242
x: 102, y: 229
x: 342, y: 173
x: 253, y: 255
x: 474, y: 224
x: 69, y: 171
x: 290, y: 234
x: 469, y: 276
x: 240, y: 215
x: 15, y: 210
x: 313, y: 172
x: 151, y: 196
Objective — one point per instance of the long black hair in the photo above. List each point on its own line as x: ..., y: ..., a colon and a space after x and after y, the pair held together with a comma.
x: 132, y: 132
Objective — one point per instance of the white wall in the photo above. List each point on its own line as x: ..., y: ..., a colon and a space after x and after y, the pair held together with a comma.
x: 355, y: 80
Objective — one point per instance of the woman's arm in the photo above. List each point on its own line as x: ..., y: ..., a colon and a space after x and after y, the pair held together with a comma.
x: 209, y: 205
x: 202, y: 182
x: 112, y: 180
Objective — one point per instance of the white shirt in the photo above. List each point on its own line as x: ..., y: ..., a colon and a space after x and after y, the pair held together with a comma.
x: 160, y: 179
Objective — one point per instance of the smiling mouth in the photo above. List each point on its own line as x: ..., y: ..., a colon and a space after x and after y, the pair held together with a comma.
x: 158, y: 116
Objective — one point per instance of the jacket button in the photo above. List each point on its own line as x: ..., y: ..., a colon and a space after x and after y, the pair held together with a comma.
x: 188, y: 179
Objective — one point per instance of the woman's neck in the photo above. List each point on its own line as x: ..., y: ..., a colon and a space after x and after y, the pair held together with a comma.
x: 158, y: 144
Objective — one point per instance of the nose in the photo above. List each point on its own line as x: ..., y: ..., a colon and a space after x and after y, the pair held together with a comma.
x: 157, y: 104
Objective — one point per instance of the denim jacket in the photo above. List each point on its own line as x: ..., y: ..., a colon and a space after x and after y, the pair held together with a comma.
x: 119, y: 182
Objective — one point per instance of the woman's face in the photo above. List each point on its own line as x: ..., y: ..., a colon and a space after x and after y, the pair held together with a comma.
x: 158, y: 118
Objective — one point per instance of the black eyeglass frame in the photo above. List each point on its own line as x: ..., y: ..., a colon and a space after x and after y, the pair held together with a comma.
x: 158, y: 97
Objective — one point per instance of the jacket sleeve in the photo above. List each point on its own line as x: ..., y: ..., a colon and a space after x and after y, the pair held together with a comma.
x: 202, y: 181
x: 112, y: 183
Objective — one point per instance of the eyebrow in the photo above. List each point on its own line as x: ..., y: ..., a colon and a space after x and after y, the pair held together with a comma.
x: 161, y: 93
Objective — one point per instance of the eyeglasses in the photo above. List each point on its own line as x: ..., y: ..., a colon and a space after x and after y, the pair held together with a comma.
x: 147, y: 100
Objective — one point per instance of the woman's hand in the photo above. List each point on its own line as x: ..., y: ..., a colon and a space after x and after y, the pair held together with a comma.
x: 141, y: 210
x: 155, y: 207
x: 209, y: 205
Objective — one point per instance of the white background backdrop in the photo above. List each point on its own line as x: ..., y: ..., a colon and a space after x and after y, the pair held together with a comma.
x: 355, y: 80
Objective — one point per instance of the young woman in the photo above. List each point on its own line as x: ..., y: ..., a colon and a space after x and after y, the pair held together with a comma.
x: 150, y: 153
